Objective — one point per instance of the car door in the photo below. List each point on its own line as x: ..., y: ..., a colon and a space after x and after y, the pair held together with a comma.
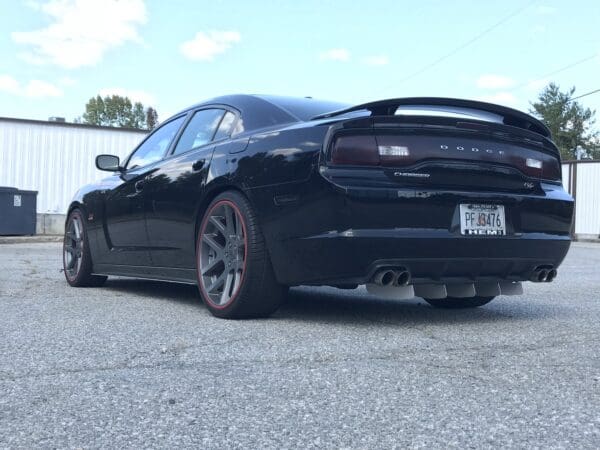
x: 124, y: 215
x: 176, y: 189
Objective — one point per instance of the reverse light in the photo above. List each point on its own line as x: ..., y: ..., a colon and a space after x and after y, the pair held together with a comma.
x: 534, y: 163
x: 393, y: 150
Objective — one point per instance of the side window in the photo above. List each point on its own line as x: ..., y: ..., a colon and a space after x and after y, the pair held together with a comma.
x: 200, y: 130
x: 225, y: 126
x: 156, y: 145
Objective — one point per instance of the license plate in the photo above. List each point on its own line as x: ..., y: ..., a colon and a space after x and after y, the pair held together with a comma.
x: 482, y: 220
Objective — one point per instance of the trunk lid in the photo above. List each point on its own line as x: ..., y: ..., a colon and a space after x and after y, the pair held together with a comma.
x: 499, y: 149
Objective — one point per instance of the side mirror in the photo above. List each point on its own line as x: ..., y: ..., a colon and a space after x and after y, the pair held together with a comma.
x: 110, y: 163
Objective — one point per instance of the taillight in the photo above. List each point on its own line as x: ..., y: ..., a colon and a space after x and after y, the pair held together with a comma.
x: 369, y: 151
x: 540, y: 165
x: 389, y: 150
x: 355, y: 151
x: 551, y: 170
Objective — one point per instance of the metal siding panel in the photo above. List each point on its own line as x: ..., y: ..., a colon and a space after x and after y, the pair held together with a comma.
x: 56, y: 160
x: 587, y: 211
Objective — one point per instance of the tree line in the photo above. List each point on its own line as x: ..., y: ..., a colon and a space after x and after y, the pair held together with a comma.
x: 118, y: 111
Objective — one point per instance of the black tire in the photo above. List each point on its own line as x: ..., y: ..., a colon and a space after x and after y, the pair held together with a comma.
x: 78, y: 274
x: 246, y: 287
x: 458, y: 303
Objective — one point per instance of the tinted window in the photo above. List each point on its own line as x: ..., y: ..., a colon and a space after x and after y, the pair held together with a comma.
x: 304, y: 108
x: 200, y: 130
x: 225, y: 126
x: 154, y: 148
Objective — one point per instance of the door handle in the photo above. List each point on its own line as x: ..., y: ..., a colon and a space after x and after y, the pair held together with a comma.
x: 198, y: 164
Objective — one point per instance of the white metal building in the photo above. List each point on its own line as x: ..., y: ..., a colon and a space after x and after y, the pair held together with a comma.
x: 56, y: 158
x: 582, y: 180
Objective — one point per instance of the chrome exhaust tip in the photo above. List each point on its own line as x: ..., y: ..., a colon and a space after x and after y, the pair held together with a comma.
x: 542, y: 275
x: 402, y: 278
x: 385, y: 277
x: 551, y: 275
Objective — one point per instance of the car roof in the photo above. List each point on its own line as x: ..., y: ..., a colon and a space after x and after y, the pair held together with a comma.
x: 261, y: 111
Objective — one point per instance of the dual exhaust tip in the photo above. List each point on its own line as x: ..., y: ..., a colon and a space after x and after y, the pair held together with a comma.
x: 541, y: 275
x: 401, y: 277
x: 392, y: 277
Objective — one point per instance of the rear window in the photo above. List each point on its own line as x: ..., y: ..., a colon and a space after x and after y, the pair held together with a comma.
x: 305, y: 108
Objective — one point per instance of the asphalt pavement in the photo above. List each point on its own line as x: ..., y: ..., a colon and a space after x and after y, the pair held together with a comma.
x: 143, y: 364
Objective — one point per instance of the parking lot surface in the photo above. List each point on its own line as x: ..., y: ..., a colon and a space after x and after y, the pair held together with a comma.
x: 143, y: 364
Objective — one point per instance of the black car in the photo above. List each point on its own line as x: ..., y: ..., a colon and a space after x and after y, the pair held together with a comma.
x: 455, y: 201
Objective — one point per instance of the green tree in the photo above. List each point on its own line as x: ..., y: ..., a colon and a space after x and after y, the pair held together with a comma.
x: 117, y: 111
x: 151, y: 118
x: 569, y: 122
x: 138, y: 118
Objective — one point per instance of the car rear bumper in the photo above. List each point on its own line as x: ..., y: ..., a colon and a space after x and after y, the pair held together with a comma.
x: 436, y: 256
x: 342, y: 236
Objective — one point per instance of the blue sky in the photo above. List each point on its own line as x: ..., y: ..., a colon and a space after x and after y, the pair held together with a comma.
x: 57, y: 54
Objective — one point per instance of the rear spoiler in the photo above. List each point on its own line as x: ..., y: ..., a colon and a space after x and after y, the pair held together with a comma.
x: 508, y: 116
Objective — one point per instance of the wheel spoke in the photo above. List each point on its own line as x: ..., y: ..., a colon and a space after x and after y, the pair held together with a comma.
x: 238, y: 265
x: 211, y: 266
x: 212, y: 243
x: 226, y: 294
x: 237, y: 279
x: 217, y: 283
x: 238, y: 226
x: 216, y: 221
x: 71, y: 262
x: 77, y: 229
x: 229, y: 220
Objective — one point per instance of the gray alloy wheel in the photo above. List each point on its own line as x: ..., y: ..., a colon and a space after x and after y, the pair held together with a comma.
x: 223, y: 253
x: 77, y: 258
x: 73, y: 247
x: 235, y: 276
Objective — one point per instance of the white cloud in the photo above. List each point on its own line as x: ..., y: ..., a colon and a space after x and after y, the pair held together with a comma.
x: 491, y: 81
x: 336, y: 54
x: 134, y: 95
x: 9, y: 85
x: 205, y: 46
x: 376, y: 60
x: 32, y: 89
x: 39, y: 88
x: 502, y: 98
x: 81, y: 31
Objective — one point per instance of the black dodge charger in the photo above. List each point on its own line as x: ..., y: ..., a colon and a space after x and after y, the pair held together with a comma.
x: 454, y: 201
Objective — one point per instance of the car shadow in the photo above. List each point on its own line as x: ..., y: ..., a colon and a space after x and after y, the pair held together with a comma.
x: 329, y: 305
x: 176, y: 292
x: 356, y: 306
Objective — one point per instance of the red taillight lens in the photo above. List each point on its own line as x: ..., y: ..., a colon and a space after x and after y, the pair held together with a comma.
x: 355, y: 150
x: 552, y: 170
